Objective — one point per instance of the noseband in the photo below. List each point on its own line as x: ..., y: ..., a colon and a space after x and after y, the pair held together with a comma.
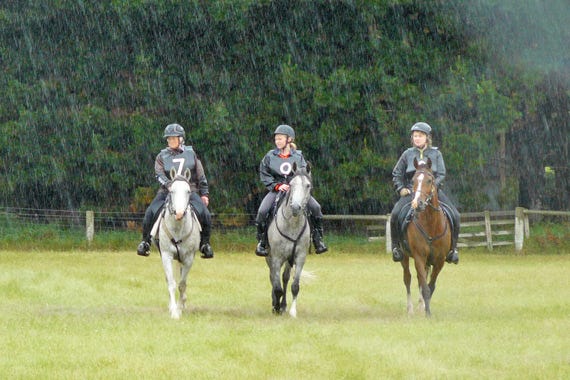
x: 168, y: 202
x: 429, y: 195
x: 291, y: 239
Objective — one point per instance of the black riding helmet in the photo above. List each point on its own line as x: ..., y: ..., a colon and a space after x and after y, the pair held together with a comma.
x: 421, y: 127
x: 175, y: 130
x: 284, y: 129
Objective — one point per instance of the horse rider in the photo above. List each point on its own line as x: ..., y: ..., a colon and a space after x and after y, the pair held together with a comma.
x: 180, y: 157
x: 275, y: 171
x: 402, y: 174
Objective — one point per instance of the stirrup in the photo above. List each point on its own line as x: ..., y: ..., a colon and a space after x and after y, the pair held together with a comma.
x: 452, y: 256
x: 207, y: 252
x: 397, y: 254
x: 320, y: 247
x: 143, y: 249
x: 261, y: 250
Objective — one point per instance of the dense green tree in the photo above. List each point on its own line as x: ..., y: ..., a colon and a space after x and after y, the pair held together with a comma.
x: 89, y: 86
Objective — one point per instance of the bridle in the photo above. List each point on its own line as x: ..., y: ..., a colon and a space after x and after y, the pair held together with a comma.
x: 293, y: 240
x: 172, y: 211
x: 428, y: 196
x: 428, y: 201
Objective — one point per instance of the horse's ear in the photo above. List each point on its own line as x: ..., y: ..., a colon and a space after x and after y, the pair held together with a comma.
x: 429, y: 163
x: 308, y: 167
x: 415, y: 162
x: 294, y: 169
x: 187, y: 174
x: 172, y: 173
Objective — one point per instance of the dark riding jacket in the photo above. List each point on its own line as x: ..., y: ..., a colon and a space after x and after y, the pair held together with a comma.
x: 275, y: 170
x: 181, y: 159
x: 405, y: 169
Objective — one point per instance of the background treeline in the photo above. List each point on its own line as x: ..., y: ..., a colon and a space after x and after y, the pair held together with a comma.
x: 87, y: 88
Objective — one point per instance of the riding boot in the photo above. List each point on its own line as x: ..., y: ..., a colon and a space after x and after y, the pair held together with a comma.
x: 397, y: 254
x: 453, y: 255
x: 317, y: 233
x: 144, y: 246
x: 261, y: 249
x: 205, y: 248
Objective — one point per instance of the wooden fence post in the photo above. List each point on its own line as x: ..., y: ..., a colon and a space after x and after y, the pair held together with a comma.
x: 526, y: 226
x: 388, y: 236
x: 519, y: 228
x: 488, y: 231
x: 89, y: 226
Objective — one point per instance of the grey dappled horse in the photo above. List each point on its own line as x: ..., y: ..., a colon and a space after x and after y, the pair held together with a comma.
x: 289, y: 238
x: 178, y: 238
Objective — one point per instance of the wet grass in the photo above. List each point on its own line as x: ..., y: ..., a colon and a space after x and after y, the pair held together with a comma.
x: 97, y: 314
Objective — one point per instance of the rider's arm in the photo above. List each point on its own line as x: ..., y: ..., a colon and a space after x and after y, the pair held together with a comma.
x: 266, y: 176
x: 399, y: 173
x: 159, y: 171
x: 439, y: 172
x: 201, y: 176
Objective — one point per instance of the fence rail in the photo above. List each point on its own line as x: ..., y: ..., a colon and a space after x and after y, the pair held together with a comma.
x: 487, y: 228
x: 479, y: 229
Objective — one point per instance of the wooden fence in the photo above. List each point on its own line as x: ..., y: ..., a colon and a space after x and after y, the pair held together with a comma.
x: 488, y: 228
x: 478, y: 229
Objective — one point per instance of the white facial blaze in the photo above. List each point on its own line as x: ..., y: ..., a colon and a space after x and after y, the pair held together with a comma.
x: 180, y: 193
x: 419, y: 188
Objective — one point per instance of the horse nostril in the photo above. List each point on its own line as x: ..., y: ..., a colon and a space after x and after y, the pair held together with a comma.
x: 296, y: 208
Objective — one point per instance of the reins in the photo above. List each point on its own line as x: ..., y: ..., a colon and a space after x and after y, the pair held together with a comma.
x: 169, y: 234
x: 296, y: 240
x: 415, y: 220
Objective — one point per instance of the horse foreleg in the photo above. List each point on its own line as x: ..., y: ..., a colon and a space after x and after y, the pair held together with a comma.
x: 276, y: 289
x: 184, y: 270
x: 171, y: 284
x: 285, y: 280
x: 423, y: 287
x: 295, y: 289
x: 407, y: 283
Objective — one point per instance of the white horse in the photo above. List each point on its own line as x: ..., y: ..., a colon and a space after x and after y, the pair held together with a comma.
x: 289, y: 238
x: 178, y: 238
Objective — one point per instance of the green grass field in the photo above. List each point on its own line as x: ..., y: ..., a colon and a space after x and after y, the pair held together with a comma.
x: 102, y: 314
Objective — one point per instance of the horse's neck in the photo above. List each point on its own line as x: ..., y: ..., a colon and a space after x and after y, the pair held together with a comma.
x: 432, y: 217
x: 285, y: 215
x: 177, y: 225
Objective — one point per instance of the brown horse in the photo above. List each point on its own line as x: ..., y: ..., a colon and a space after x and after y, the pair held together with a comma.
x: 428, y: 236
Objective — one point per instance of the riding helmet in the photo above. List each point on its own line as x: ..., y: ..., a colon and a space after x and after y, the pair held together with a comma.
x: 284, y: 129
x: 422, y: 127
x: 174, y: 130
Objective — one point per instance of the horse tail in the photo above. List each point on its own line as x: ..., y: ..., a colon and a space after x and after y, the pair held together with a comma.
x: 308, y: 276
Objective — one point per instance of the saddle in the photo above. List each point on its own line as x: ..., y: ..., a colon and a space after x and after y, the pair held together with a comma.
x: 406, y: 215
x: 280, y: 198
x: 156, y: 225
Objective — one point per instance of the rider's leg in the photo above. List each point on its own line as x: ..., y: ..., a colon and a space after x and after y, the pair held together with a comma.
x: 206, y: 223
x: 316, y: 219
x: 149, y: 219
x: 261, y: 223
x: 453, y: 254
x: 397, y: 254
